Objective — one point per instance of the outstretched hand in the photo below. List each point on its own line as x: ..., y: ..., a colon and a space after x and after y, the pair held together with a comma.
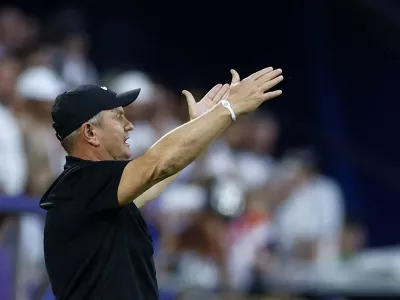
x: 214, y: 96
x: 251, y: 92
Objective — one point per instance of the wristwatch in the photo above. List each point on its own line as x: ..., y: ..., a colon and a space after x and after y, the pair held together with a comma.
x: 228, y: 106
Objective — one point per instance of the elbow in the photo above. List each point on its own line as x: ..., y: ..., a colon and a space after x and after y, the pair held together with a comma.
x: 165, y: 170
x: 166, y: 167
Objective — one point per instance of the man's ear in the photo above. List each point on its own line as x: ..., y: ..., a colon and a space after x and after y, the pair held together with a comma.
x: 88, y: 132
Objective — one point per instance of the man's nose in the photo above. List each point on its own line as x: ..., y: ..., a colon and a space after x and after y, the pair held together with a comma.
x: 129, y: 126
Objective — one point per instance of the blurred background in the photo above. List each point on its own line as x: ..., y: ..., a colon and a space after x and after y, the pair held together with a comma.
x: 298, y: 200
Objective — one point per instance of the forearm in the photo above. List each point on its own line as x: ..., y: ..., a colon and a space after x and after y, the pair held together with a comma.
x: 184, y: 144
x: 157, y: 189
x: 179, y: 148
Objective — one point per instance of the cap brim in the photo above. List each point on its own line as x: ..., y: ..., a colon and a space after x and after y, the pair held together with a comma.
x: 126, y: 98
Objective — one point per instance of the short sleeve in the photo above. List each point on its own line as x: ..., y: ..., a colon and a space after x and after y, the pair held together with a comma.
x: 95, y: 186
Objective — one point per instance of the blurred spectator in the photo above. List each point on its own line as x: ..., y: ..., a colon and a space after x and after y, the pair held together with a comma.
x: 71, y: 49
x: 353, y: 238
x: 227, y: 196
x: 39, y: 56
x: 10, y: 67
x: 201, y: 260
x: 143, y: 134
x: 309, y: 222
x: 37, y: 87
x: 17, y: 31
x: 76, y: 68
x: 256, y: 165
x: 220, y: 159
x: 248, y: 235
x: 215, y: 220
x: 5, y: 278
x: 250, y: 157
x: 13, y: 170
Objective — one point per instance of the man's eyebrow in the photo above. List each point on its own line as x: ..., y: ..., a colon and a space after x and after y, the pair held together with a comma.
x: 118, y: 111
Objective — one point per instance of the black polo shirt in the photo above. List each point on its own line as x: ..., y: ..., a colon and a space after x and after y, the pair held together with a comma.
x: 93, y: 248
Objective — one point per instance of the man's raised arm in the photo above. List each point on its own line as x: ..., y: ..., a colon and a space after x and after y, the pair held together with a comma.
x: 180, y: 147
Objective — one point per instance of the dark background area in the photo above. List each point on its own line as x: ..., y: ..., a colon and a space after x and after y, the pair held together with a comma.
x: 340, y: 60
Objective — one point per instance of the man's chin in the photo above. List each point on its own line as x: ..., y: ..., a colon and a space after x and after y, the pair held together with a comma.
x: 127, y: 153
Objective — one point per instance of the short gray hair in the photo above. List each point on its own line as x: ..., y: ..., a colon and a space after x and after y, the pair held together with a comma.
x: 68, y: 143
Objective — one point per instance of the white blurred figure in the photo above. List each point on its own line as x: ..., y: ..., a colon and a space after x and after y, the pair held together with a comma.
x: 245, y: 151
x: 178, y: 204
x: 247, y: 236
x: 256, y: 165
x: 37, y: 87
x: 309, y: 222
x: 16, y: 30
x: 76, y: 68
x: 13, y: 169
x: 220, y: 161
x: 201, y: 253
x: 243, y: 159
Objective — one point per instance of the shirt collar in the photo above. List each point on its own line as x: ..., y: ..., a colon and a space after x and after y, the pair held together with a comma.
x: 71, y: 161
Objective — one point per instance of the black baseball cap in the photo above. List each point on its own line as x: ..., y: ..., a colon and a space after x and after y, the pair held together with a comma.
x: 77, y: 106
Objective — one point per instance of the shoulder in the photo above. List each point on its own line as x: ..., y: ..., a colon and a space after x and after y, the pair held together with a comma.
x: 327, y: 184
x: 100, y: 168
x: 329, y: 194
x: 86, y: 181
x: 96, y: 174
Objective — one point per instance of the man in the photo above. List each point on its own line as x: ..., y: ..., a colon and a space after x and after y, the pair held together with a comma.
x: 315, y: 205
x: 96, y: 242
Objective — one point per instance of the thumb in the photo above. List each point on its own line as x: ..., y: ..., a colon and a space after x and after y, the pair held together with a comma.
x: 190, y: 100
x: 235, y: 77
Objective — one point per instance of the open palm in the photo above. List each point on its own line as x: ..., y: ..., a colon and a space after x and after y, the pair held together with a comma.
x: 214, y: 96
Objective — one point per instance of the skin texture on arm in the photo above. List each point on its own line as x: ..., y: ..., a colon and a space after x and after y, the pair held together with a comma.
x: 196, y: 109
x: 180, y: 147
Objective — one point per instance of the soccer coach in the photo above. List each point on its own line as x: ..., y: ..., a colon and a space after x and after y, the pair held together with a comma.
x: 96, y: 242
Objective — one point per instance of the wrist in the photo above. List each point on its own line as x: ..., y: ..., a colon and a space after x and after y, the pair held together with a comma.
x: 223, y: 112
x: 228, y: 106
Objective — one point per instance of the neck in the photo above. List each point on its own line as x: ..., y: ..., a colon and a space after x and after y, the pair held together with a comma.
x: 89, y: 154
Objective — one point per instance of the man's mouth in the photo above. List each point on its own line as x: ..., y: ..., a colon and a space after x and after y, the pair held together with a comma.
x: 126, y: 140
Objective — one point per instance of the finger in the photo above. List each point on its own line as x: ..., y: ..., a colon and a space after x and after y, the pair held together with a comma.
x: 235, y: 77
x: 225, y: 96
x: 270, y: 84
x: 260, y: 73
x: 272, y: 94
x: 268, y: 76
x: 213, y: 92
x: 190, y: 100
x: 189, y: 97
x: 221, y: 93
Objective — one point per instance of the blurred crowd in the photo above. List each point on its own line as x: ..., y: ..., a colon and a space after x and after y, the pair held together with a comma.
x: 233, y: 220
